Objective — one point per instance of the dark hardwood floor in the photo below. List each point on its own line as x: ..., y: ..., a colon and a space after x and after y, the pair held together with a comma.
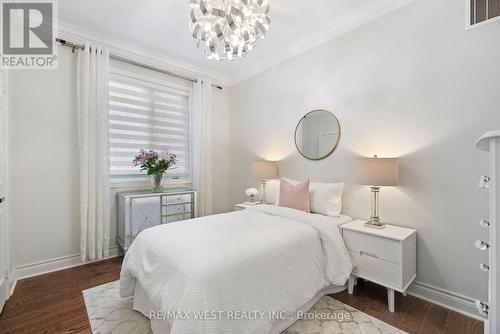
x: 412, y: 315
x: 53, y: 303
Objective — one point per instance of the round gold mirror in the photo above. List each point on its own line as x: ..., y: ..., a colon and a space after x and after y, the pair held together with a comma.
x: 317, y: 135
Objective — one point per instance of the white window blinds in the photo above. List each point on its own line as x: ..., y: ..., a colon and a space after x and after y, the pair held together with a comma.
x: 483, y: 10
x: 147, y: 115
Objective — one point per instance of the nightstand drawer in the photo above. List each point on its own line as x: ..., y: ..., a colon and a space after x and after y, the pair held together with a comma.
x: 376, y: 269
x: 377, y: 247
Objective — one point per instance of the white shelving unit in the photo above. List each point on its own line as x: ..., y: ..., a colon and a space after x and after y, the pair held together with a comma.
x: 490, y: 142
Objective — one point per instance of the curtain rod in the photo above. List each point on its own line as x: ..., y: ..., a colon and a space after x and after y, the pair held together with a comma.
x: 74, y: 46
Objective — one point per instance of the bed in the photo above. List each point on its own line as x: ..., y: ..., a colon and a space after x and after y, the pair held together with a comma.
x: 242, y: 272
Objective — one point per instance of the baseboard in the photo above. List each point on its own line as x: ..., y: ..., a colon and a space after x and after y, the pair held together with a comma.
x: 451, y: 300
x: 4, y: 293
x: 48, y: 266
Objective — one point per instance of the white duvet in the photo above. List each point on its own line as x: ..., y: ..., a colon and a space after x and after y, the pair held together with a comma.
x: 246, y: 263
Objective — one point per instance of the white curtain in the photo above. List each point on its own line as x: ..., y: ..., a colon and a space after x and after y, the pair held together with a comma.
x: 92, y: 95
x: 202, y: 145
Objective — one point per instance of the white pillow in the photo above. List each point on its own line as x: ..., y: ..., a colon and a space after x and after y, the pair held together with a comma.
x: 272, y: 191
x: 326, y: 198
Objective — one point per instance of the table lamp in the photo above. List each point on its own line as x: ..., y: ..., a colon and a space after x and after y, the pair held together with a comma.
x: 377, y: 172
x: 264, y: 170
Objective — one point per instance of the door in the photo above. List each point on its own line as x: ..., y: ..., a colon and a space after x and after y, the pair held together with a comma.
x: 4, y: 246
x: 327, y: 141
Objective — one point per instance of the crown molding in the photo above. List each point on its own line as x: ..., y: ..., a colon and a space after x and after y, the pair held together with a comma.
x: 75, y: 34
x: 340, y: 27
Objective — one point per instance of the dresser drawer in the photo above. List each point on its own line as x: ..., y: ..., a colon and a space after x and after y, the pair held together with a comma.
x: 376, y: 269
x: 176, y: 199
x: 382, y: 248
x: 177, y: 208
x: 176, y: 218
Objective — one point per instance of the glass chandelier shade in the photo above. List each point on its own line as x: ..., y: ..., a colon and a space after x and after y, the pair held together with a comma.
x: 228, y: 29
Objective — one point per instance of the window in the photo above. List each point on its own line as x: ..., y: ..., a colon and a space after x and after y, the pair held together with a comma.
x: 147, y: 111
x: 482, y: 11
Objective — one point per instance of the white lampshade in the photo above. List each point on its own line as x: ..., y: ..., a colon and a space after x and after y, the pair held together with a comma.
x: 264, y: 170
x: 378, y: 171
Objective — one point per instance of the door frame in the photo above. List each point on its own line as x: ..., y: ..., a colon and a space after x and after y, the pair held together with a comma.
x: 5, y: 269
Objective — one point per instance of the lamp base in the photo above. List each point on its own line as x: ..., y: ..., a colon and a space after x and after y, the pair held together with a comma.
x: 378, y: 226
x: 374, y: 221
x: 263, y: 191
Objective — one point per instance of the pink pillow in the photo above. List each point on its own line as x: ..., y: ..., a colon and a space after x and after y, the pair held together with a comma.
x: 295, y: 197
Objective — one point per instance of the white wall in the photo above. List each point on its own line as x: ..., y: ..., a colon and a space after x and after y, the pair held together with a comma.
x: 413, y: 84
x: 44, y: 156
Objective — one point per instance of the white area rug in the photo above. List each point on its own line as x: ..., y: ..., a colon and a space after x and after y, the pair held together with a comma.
x: 110, y: 314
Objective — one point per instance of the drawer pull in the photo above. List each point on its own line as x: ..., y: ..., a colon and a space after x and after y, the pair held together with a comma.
x: 484, y: 223
x: 484, y: 182
x: 484, y: 267
x: 368, y: 254
x: 481, y: 245
x: 482, y: 307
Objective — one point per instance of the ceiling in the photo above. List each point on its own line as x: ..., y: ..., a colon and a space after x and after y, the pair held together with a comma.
x: 161, y: 26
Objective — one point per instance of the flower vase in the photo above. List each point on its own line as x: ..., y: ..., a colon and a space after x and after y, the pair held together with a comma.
x: 156, y: 180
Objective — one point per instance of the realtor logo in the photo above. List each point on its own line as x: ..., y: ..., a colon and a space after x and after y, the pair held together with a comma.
x: 28, y: 34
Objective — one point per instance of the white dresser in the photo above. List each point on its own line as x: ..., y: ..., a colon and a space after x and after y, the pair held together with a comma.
x: 490, y: 142
x: 139, y: 210
x: 386, y: 256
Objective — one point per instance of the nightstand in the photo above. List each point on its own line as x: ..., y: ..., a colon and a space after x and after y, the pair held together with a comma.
x: 243, y: 206
x: 387, y: 257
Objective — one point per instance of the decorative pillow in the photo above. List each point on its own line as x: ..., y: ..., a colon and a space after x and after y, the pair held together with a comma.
x: 326, y: 198
x: 294, y: 196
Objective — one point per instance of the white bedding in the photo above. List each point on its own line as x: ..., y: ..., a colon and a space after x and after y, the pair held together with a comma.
x: 263, y: 259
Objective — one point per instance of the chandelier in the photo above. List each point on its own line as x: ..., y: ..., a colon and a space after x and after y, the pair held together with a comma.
x: 228, y: 29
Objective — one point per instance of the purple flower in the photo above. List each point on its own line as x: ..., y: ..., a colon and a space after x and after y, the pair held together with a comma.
x: 151, y: 162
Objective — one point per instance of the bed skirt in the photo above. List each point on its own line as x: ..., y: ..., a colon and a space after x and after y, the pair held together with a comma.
x: 143, y: 305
